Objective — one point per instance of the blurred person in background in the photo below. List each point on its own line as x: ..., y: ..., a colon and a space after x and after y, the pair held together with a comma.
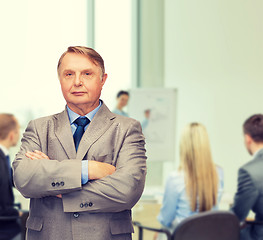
x: 9, y: 136
x: 197, y: 185
x: 249, y: 195
x: 122, y: 101
x: 145, y: 122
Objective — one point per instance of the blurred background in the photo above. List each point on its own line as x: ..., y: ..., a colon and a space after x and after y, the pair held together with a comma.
x: 207, y: 55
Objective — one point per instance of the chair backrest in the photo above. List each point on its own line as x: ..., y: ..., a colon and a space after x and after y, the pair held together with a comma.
x: 211, y: 225
x: 9, y: 227
x: 8, y: 218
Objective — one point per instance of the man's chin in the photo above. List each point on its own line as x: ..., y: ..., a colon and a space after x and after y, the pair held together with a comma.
x: 82, y: 103
x: 79, y: 103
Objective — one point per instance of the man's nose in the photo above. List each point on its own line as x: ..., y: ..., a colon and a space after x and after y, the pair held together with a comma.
x: 77, y: 80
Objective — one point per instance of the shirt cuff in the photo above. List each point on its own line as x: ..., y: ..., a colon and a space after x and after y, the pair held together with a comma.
x: 84, y: 172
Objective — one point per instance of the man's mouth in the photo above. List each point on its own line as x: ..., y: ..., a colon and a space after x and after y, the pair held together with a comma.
x: 78, y: 93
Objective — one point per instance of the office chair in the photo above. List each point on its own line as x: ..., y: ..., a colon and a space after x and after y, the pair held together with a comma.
x: 210, y: 225
x: 252, y: 222
x: 20, y: 219
x: 6, y: 230
x: 142, y: 227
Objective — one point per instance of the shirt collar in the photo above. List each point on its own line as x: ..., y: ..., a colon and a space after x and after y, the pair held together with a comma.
x: 73, y: 116
x: 4, y: 149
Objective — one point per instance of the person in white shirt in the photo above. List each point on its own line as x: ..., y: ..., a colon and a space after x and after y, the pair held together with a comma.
x: 122, y: 101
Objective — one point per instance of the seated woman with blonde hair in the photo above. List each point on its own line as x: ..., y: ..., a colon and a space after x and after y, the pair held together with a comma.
x: 197, y: 185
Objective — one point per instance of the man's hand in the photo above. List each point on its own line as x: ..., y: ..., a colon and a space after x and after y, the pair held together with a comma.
x: 99, y: 170
x: 96, y: 170
x: 39, y: 155
x: 36, y: 155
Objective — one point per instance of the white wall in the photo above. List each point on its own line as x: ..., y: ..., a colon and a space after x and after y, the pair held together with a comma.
x: 113, y: 42
x: 214, y: 56
x: 33, y: 36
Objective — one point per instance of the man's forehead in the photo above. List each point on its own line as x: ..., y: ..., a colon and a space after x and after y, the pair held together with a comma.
x: 77, y: 59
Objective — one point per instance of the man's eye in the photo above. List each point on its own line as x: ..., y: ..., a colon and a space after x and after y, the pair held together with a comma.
x: 68, y: 74
x: 87, y: 73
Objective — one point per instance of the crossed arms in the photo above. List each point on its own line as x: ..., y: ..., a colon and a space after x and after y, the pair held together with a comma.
x: 112, y: 190
x: 96, y: 170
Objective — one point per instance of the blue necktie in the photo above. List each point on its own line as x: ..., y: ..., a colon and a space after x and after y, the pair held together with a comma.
x: 81, y: 123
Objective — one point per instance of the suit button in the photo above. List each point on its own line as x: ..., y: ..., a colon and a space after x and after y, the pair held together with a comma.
x: 57, y: 184
x: 86, y: 204
x: 81, y: 205
x: 76, y: 215
x: 62, y: 183
x: 53, y: 184
x: 90, y: 204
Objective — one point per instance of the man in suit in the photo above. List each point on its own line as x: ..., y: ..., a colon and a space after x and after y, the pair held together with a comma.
x: 249, y: 194
x: 84, y: 168
x: 9, y: 135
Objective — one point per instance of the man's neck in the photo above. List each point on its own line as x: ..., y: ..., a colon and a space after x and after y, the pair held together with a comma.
x: 4, y: 147
x: 257, y: 148
x: 119, y: 108
x: 5, y: 143
x: 83, y: 109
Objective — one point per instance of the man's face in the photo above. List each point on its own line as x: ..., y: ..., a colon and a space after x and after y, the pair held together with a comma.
x: 81, y: 81
x: 123, y: 100
x: 15, y: 134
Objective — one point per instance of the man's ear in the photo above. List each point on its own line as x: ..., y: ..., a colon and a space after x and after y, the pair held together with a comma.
x: 104, y: 78
x: 10, y: 136
x: 248, y: 139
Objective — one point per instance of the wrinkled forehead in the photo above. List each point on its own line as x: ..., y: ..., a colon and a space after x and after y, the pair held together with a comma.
x: 75, y: 57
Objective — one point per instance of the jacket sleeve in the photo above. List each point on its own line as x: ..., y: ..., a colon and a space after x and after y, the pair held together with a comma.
x: 43, y: 177
x: 246, y: 195
x: 121, y: 190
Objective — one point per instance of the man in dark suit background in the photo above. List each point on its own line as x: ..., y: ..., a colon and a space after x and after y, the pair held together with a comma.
x: 9, y: 135
x: 249, y: 194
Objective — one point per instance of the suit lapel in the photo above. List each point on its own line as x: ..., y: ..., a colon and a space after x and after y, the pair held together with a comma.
x: 97, y: 127
x: 64, y: 134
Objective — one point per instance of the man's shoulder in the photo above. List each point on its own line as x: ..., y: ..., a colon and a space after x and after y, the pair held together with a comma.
x: 47, y: 119
x: 124, y: 121
x: 122, y: 118
x: 254, y: 168
x: 254, y: 163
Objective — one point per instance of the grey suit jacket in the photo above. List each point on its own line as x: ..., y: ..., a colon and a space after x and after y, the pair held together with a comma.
x: 249, y: 196
x: 98, y: 210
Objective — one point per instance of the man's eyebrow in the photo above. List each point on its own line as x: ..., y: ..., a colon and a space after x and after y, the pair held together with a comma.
x: 87, y: 70
x: 68, y: 70
x: 84, y: 70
